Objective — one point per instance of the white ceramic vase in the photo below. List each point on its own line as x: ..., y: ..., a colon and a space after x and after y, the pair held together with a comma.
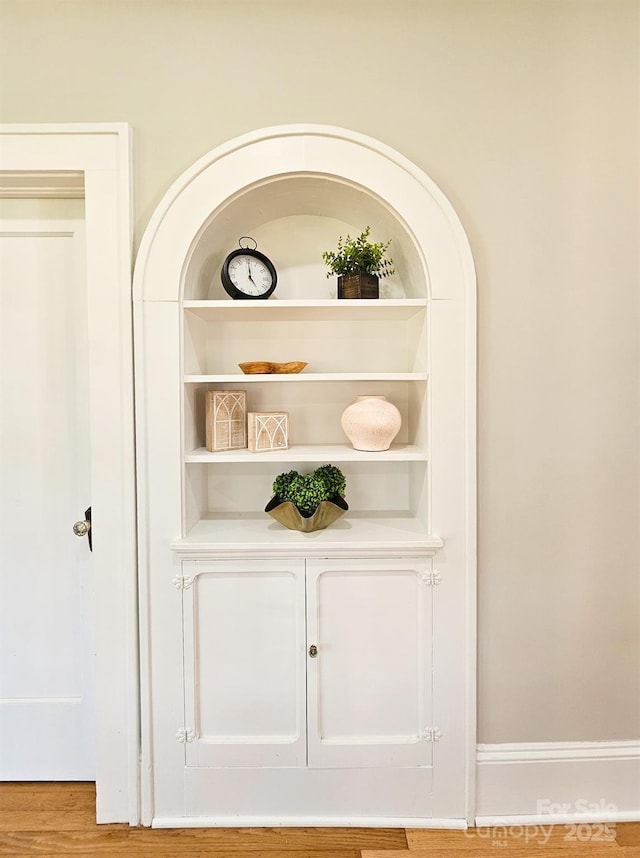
x: 371, y: 423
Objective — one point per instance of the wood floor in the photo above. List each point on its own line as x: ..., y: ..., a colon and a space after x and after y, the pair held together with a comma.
x: 48, y: 820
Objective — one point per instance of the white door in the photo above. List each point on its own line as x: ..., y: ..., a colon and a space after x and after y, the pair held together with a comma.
x: 244, y: 663
x: 47, y: 718
x: 369, y: 682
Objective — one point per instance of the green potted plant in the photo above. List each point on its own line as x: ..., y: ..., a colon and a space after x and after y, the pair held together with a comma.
x: 308, y: 502
x: 359, y: 264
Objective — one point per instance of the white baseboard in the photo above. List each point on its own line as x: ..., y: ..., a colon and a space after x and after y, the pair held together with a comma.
x: 557, y: 782
x: 305, y: 821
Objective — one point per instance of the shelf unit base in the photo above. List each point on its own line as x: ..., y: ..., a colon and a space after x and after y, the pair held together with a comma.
x: 386, y: 535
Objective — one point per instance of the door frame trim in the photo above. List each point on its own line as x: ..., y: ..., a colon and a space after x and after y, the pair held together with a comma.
x: 46, y: 154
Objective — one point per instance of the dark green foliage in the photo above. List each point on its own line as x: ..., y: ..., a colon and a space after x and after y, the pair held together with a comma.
x: 307, y: 491
x: 359, y: 255
x: 333, y: 479
x: 282, y: 482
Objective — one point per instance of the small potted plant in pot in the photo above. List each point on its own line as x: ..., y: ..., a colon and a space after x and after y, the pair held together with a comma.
x: 308, y: 502
x: 359, y: 264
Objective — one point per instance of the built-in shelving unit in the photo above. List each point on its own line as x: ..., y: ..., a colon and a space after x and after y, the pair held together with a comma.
x: 325, y: 677
x: 351, y: 347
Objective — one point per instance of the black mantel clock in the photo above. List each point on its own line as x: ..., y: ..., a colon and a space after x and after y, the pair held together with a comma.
x: 247, y: 273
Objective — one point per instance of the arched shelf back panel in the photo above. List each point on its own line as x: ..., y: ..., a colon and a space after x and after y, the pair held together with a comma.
x: 296, y: 189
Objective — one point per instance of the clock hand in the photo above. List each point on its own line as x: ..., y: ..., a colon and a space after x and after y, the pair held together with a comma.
x: 249, y: 267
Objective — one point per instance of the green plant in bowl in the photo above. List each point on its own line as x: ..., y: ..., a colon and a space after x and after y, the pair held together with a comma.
x: 308, y: 502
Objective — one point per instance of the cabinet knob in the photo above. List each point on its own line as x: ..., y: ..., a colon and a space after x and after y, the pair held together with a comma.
x: 313, y: 651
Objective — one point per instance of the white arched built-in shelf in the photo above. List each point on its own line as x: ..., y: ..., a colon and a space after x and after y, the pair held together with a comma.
x: 240, y: 725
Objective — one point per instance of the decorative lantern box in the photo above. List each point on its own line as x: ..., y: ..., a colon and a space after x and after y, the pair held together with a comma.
x: 268, y: 430
x: 226, y: 414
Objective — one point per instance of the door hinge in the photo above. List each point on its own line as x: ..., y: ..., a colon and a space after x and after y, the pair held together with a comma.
x: 432, y: 734
x: 182, y: 582
x: 183, y: 735
x: 432, y: 579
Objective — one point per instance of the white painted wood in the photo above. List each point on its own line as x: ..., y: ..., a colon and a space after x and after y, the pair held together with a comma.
x: 313, y: 453
x: 305, y: 181
x: 101, y: 153
x: 369, y: 690
x: 160, y: 518
x: 328, y: 308
x: 244, y: 648
x: 553, y: 752
x: 312, y: 168
x: 47, y: 682
x: 303, y: 795
x: 576, y: 835
x: 381, y: 343
x: 557, y: 782
x: 308, y: 376
x: 42, y: 185
x: 247, y: 711
x: 352, y: 536
x: 452, y: 466
x: 281, y: 821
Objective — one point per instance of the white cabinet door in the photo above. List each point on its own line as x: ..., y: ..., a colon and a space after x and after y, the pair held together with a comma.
x: 369, y: 685
x: 244, y: 663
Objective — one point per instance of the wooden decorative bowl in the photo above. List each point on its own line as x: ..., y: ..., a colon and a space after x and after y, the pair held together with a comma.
x: 263, y: 367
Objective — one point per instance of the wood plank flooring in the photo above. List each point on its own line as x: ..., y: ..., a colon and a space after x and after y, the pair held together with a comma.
x: 51, y: 820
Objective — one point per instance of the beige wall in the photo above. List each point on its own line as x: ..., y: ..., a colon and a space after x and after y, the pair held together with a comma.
x: 525, y: 112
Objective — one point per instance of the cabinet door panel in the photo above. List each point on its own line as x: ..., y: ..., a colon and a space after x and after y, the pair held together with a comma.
x: 368, y: 687
x: 244, y: 665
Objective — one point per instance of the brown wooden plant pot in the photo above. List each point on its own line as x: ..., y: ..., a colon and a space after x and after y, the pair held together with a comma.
x: 358, y: 285
x: 289, y: 515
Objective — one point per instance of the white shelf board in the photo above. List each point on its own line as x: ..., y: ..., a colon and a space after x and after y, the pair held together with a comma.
x: 312, y: 303
x: 354, y: 534
x: 240, y: 378
x: 311, y: 453
x: 323, y: 309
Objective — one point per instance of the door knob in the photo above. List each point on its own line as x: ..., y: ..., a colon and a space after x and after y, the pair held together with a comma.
x: 313, y: 651
x: 82, y: 528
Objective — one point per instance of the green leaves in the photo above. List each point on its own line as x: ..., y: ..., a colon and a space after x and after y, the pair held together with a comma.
x: 333, y: 480
x: 359, y: 255
x: 307, y: 491
x: 282, y: 483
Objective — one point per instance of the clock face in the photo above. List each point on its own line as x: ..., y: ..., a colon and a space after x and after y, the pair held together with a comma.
x: 248, y: 274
